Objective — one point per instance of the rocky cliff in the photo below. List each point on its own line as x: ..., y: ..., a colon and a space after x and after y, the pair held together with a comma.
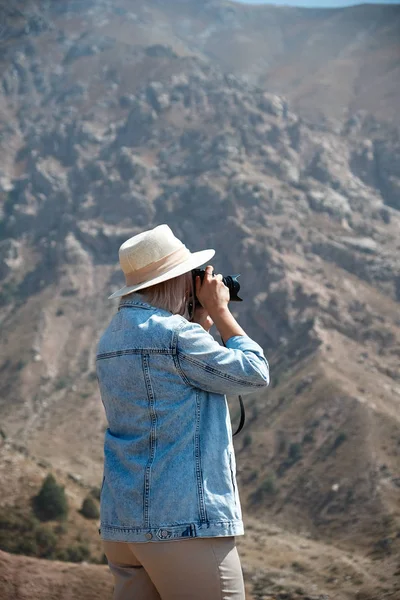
x: 116, y: 117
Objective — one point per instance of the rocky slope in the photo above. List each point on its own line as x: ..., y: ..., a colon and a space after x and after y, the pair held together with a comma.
x: 329, y: 63
x: 108, y: 128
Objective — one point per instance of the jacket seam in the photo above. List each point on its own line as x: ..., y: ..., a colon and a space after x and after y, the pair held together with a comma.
x: 212, y: 523
x: 209, y: 369
x: 152, y: 439
x: 116, y: 353
x: 175, y: 354
x: 198, y: 469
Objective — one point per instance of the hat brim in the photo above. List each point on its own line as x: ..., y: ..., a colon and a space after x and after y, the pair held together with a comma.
x: 195, y: 260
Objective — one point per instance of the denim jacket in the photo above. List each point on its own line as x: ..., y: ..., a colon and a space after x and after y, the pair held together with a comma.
x: 169, y: 464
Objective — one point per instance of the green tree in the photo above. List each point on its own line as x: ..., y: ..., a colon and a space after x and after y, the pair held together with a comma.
x: 51, y: 502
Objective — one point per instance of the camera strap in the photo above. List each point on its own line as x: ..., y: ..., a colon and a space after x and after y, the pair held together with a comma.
x: 242, y: 411
x: 242, y: 416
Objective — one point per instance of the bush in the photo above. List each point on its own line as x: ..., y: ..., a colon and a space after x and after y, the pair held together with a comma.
x: 51, y: 502
x: 8, y: 293
x: 46, y: 541
x: 95, y: 493
x: 76, y: 553
x: 17, y: 532
x: 22, y: 533
x: 61, y: 528
x: 342, y: 437
x: 247, y: 440
x: 267, y: 489
x: 295, y: 452
x: 61, y: 383
x: 268, y: 486
x: 308, y: 438
x: 89, y: 508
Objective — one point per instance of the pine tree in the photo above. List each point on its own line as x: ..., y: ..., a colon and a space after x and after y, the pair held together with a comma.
x: 51, y: 502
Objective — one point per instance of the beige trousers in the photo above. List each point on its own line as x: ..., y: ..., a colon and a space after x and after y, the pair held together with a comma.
x: 194, y: 569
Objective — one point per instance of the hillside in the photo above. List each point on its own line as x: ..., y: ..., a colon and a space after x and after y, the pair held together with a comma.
x: 110, y: 125
x: 329, y: 63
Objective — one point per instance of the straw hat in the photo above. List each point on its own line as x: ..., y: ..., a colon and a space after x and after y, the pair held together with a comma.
x: 155, y: 256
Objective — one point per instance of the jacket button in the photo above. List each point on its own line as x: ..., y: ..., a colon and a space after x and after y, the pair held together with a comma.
x: 148, y: 536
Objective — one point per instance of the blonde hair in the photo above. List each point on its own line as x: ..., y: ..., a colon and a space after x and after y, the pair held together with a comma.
x: 174, y: 295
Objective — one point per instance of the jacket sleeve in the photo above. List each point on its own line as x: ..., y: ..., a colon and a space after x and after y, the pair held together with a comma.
x: 238, y: 368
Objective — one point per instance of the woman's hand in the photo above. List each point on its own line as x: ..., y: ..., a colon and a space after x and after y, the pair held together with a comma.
x: 202, y: 317
x: 212, y: 293
x: 214, y: 297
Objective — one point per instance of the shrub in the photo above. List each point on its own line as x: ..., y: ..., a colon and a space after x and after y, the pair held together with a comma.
x: 61, y: 383
x: 268, y: 486
x: 99, y: 560
x: 26, y: 546
x: 17, y: 532
x: 95, y: 493
x: 22, y: 533
x: 89, y: 508
x: 342, y: 437
x: 61, y: 528
x: 51, y: 502
x: 252, y: 476
x: 46, y: 541
x: 76, y: 553
x: 8, y: 293
x: 295, y: 452
x: 308, y: 437
x: 247, y: 440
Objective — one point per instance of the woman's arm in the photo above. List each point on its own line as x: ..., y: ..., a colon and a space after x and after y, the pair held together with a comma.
x: 238, y: 368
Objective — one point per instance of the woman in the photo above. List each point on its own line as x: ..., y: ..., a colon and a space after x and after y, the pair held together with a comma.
x: 170, y: 507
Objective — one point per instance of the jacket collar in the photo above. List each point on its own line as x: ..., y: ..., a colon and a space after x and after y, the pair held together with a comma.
x: 136, y: 301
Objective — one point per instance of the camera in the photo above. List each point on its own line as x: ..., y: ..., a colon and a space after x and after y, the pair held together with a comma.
x: 231, y: 282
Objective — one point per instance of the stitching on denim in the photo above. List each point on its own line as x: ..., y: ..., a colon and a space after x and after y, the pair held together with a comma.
x: 197, y: 457
x: 209, y: 524
x: 178, y: 365
x: 175, y: 340
x: 209, y: 369
x: 153, y: 439
x: 133, y: 304
x: 115, y: 353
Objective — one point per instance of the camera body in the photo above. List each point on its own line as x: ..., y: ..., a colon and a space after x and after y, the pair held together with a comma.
x: 231, y: 282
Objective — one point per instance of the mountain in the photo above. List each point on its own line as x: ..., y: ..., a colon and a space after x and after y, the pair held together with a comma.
x: 116, y: 117
x: 329, y: 63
